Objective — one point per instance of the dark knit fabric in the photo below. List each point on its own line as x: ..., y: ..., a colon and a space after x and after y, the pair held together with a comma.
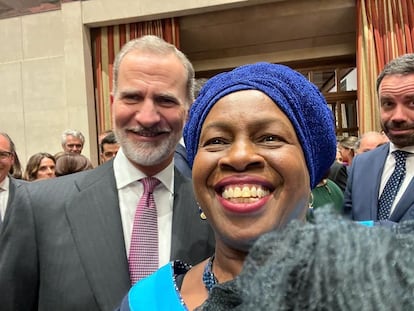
x: 333, y: 264
x: 299, y: 99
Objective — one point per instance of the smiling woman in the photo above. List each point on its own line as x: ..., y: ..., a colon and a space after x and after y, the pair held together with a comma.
x: 41, y: 165
x: 259, y: 138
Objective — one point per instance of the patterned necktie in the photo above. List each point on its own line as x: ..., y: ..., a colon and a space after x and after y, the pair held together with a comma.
x: 143, y: 252
x: 393, y: 184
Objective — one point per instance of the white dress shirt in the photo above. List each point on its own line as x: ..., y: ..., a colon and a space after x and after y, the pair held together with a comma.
x: 389, y: 168
x: 130, y: 191
x: 4, y: 196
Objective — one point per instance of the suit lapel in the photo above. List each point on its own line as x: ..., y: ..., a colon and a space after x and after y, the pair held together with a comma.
x: 13, y: 186
x: 404, y: 204
x: 95, y: 221
x: 178, y: 214
x: 376, y: 167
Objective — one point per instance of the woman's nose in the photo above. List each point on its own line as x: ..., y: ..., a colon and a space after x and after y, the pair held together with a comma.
x: 242, y: 155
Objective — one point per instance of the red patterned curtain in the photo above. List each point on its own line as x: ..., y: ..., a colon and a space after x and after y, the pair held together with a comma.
x: 385, y: 30
x: 106, y: 42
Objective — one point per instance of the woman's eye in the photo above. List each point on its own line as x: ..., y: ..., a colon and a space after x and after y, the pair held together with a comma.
x: 271, y: 138
x: 215, y: 141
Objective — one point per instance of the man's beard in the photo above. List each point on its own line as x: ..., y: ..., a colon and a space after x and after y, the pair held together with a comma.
x: 148, y: 153
x: 399, y: 140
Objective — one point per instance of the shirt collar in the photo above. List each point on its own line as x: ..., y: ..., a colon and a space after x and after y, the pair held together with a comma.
x: 126, y: 173
x: 5, y: 184
x: 409, y: 149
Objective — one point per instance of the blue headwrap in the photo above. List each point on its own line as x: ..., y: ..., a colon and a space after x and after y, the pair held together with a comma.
x: 299, y: 99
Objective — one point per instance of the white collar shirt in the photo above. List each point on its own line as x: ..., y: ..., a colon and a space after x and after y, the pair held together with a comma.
x: 4, y: 196
x: 130, y: 190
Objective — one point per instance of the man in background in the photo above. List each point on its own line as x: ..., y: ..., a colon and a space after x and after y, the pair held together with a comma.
x: 369, y: 141
x: 108, y: 147
x: 380, y: 184
x: 72, y: 141
x: 8, y: 184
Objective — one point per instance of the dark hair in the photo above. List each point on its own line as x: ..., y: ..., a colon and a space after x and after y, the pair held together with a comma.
x: 108, y: 139
x: 70, y: 163
x: 403, y: 65
x: 33, y: 165
x: 74, y: 133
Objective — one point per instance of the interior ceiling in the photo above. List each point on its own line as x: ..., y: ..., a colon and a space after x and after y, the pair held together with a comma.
x: 294, y: 32
x: 10, y: 8
x: 288, y: 31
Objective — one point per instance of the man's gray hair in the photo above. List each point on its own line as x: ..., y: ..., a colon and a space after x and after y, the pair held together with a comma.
x: 74, y: 133
x: 158, y: 46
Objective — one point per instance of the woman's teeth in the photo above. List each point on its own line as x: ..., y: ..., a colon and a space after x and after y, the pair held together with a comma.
x: 246, y: 192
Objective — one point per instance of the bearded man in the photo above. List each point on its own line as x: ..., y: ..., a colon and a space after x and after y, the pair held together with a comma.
x: 380, y: 184
x: 71, y: 244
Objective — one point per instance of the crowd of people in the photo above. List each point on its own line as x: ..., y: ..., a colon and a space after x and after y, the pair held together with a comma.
x: 236, y: 196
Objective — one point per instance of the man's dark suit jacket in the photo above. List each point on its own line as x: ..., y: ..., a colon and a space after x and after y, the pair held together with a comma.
x: 181, y: 162
x: 364, y: 179
x: 62, y: 246
x: 338, y: 174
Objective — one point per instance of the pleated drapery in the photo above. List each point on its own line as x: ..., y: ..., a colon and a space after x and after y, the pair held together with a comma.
x: 385, y: 30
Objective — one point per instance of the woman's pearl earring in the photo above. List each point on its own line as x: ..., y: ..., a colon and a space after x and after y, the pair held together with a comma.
x: 202, y: 215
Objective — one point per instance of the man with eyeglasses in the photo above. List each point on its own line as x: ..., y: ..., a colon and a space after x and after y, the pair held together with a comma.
x: 8, y: 184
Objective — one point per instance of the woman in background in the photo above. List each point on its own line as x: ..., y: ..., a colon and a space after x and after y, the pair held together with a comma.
x: 346, y: 148
x: 41, y: 165
x: 70, y: 163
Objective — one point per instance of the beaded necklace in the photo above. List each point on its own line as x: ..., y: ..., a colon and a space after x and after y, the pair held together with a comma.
x: 209, y: 279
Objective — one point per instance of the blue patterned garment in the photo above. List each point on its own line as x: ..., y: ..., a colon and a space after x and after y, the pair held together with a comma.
x: 158, y: 292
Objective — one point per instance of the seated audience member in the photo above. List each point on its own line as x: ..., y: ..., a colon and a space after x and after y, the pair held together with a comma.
x: 70, y: 163
x: 72, y: 141
x: 108, y: 147
x: 41, y: 165
x: 331, y: 264
x: 250, y: 177
x: 346, y: 148
x: 8, y: 183
x: 369, y: 141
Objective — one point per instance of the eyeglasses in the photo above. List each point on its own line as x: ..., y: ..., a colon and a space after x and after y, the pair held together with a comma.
x: 5, y: 154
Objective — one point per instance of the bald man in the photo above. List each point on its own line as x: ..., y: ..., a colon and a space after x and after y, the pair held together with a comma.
x: 369, y: 141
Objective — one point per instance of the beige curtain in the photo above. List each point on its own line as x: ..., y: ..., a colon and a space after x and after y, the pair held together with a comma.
x: 385, y: 30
